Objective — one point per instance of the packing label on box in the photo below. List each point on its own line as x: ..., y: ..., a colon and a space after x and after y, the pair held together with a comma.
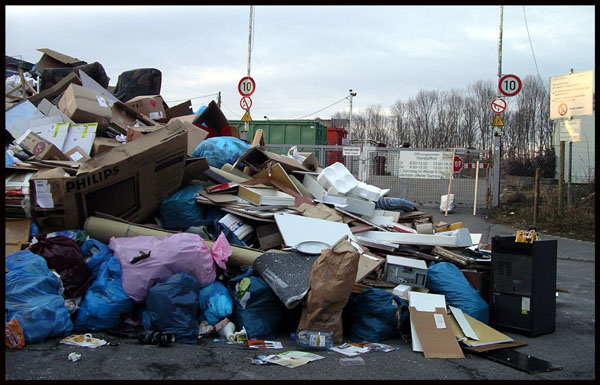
x: 101, y: 101
x: 43, y: 196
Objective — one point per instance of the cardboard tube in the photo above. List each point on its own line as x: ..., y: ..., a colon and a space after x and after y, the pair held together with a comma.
x: 103, y: 229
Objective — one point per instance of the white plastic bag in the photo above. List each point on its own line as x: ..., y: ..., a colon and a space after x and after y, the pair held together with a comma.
x: 451, y: 204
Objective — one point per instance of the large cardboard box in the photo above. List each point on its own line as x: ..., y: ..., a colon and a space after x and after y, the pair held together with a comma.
x: 83, y: 105
x: 54, y: 59
x: 153, y: 106
x: 102, y: 144
x: 82, y: 136
x: 128, y: 182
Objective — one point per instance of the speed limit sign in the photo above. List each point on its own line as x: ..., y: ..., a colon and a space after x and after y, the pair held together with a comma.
x: 246, y: 86
x: 509, y: 85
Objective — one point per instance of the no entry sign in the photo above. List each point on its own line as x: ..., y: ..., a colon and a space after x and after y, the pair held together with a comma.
x: 457, y: 164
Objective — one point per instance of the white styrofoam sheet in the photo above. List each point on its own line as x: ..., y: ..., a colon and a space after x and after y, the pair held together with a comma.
x: 457, y: 238
x: 295, y: 229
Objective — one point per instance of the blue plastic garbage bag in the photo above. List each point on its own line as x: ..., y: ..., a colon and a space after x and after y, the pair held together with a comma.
x: 96, y: 253
x: 260, y: 311
x: 375, y: 315
x: 32, y: 297
x: 172, y: 305
x: 214, y: 229
x: 105, y: 300
x: 180, y: 210
x: 447, y: 279
x: 215, y: 302
x: 395, y: 204
x: 220, y: 150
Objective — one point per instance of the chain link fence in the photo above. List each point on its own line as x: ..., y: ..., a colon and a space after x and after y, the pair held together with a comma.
x: 418, y: 175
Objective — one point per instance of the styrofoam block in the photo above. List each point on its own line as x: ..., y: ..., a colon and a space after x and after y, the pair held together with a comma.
x: 311, y: 184
x: 402, y: 291
x: 368, y: 191
x: 338, y: 177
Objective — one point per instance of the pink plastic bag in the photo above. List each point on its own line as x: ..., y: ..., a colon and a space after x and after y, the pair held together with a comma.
x: 158, y: 258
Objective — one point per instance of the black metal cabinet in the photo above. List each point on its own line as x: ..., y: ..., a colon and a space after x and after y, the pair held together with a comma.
x: 523, y: 288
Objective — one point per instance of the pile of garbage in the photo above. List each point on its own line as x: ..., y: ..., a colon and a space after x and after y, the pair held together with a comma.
x: 128, y: 216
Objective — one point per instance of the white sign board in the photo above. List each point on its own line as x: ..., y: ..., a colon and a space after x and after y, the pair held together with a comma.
x: 570, y: 130
x: 425, y: 165
x: 345, y: 141
x: 351, y: 151
x: 572, y: 94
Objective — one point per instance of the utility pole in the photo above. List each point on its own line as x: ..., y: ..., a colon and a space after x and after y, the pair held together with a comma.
x: 497, y: 142
x: 219, y: 100
x: 244, y: 133
x: 352, y: 94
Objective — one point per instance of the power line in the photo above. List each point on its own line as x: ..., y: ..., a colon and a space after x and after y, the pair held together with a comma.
x: 339, y: 101
x: 223, y: 105
x: 531, y: 45
x: 197, y: 97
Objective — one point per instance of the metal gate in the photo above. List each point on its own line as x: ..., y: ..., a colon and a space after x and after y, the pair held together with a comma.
x: 381, y: 167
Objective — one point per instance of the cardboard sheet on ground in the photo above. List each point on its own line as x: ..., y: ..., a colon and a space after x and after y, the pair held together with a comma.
x: 485, y: 334
x: 430, y: 326
x: 295, y: 229
x: 287, y: 274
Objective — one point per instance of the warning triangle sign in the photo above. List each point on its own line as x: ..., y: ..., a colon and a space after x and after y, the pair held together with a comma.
x: 497, y: 121
x: 246, y: 117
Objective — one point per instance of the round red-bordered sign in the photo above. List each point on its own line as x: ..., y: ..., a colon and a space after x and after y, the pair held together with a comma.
x: 245, y: 103
x: 498, y: 105
x: 246, y: 86
x: 509, y: 85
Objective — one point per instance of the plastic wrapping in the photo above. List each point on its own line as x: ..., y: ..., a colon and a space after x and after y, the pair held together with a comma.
x: 105, y: 300
x: 215, y: 302
x: 256, y: 307
x: 447, y: 279
x: 220, y: 150
x: 375, y: 315
x: 159, y: 258
x: 64, y: 255
x: 172, y: 306
x: 32, y: 298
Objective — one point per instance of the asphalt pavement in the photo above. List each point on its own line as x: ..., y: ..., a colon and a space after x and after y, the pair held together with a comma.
x: 571, y: 346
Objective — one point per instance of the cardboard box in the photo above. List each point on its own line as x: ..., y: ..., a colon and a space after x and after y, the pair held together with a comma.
x: 54, y: 59
x: 181, y: 109
x: 77, y: 154
x: 406, y: 271
x: 83, y: 105
x: 137, y: 132
x: 102, y: 144
x: 153, y: 106
x: 124, y: 116
x: 55, y: 133
x: 258, y: 159
x: 269, y: 237
x: 82, y: 136
x: 40, y: 148
x: 127, y: 182
x: 56, y: 90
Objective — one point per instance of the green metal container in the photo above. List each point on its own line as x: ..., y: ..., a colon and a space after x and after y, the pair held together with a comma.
x: 299, y: 132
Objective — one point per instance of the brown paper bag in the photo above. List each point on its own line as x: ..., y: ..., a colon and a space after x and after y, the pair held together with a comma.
x: 330, y: 285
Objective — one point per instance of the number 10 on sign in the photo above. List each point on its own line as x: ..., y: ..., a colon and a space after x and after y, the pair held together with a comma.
x: 246, y: 86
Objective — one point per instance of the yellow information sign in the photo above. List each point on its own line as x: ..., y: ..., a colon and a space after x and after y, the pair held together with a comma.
x: 246, y: 117
x: 497, y: 121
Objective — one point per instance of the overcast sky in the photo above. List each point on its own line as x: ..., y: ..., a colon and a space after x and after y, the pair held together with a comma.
x: 305, y: 58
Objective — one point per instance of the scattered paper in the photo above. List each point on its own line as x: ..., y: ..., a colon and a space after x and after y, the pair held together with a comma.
x: 260, y: 344
x: 349, y: 349
x: 85, y: 340
x: 291, y: 359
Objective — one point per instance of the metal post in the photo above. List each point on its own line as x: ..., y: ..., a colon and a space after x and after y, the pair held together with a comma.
x: 349, y: 158
x: 244, y: 134
x: 570, y: 168
x: 496, y: 172
x: 219, y: 100
x: 561, y: 176
x: 500, y: 46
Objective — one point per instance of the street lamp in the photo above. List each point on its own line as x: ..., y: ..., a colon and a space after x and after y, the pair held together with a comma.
x: 265, y: 117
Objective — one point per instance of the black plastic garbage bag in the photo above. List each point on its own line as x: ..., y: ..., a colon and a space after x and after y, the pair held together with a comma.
x: 141, y: 81
x: 172, y: 306
x: 375, y: 315
x: 64, y: 255
x: 51, y: 76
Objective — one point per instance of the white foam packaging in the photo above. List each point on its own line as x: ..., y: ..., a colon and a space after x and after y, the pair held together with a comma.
x: 368, y: 191
x: 338, y: 177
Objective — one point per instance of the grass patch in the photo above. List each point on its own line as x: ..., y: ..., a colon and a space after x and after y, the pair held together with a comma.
x: 577, y: 221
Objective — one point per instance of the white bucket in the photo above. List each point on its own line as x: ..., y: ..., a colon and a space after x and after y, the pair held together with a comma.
x: 236, y: 225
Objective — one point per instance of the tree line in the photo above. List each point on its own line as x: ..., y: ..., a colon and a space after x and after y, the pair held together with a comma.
x: 462, y: 119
